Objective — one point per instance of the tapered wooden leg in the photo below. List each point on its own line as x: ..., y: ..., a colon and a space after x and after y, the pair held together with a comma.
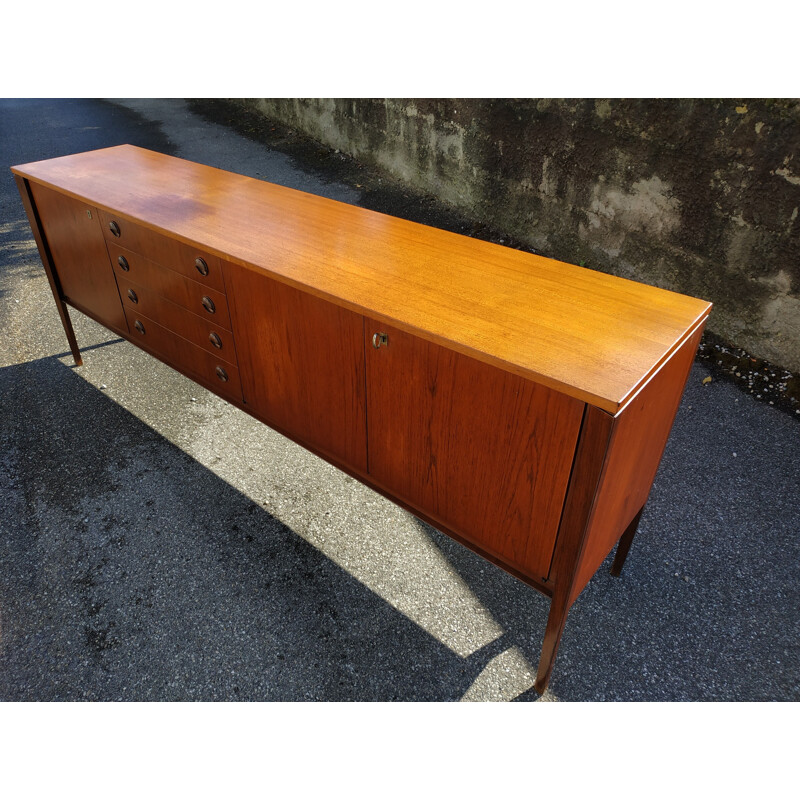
x: 41, y: 243
x: 625, y: 544
x: 67, y: 323
x: 552, y: 637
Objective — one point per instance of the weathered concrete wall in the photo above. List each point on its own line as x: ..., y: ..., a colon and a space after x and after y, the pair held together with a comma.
x: 699, y: 196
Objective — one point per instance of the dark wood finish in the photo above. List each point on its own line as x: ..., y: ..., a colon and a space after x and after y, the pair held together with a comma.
x: 193, y: 327
x: 182, y: 355
x: 302, y: 363
x: 78, y: 252
x: 625, y: 545
x: 592, y: 336
x: 170, y: 285
x: 640, y: 436
x: 518, y: 404
x: 498, y: 476
x: 596, y: 431
x: 164, y: 250
x: 52, y: 276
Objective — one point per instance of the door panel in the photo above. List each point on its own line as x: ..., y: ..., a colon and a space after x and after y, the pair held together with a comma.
x: 485, y: 452
x: 75, y: 239
x: 301, y: 361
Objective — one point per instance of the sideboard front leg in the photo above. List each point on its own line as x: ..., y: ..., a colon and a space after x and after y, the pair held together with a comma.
x: 552, y: 637
x: 595, y: 434
x: 625, y: 544
x: 52, y: 277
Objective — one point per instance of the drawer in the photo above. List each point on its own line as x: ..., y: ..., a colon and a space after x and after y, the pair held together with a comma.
x: 201, y: 300
x: 192, y: 327
x: 190, y: 261
x: 220, y: 376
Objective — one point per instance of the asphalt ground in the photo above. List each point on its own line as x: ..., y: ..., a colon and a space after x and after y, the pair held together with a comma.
x: 159, y: 544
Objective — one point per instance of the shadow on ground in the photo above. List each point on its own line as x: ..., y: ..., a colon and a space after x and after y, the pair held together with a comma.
x: 131, y: 571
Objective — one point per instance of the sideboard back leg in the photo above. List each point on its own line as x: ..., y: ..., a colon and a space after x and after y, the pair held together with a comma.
x: 52, y: 278
x: 625, y: 544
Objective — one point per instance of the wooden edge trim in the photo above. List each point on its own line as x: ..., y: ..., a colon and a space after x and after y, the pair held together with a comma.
x: 698, y: 324
x: 597, y: 428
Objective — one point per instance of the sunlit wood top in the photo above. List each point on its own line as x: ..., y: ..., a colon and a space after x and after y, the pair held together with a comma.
x: 590, y: 335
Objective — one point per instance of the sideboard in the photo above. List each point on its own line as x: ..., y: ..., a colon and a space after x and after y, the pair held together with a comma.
x: 518, y: 404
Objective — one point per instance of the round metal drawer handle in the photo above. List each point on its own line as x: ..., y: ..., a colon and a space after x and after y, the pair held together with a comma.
x: 139, y: 327
x: 123, y: 263
x: 379, y: 339
x: 221, y: 374
x: 201, y: 265
x: 132, y: 296
x: 114, y: 228
x: 215, y: 340
x: 208, y: 304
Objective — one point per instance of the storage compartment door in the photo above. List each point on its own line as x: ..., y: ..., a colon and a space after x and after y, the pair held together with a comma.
x: 76, y: 243
x: 301, y: 361
x: 485, y: 452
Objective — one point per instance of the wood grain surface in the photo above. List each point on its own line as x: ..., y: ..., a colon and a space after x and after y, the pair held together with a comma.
x: 192, y: 327
x: 170, y: 285
x: 486, y: 452
x: 302, y: 364
x: 595, y: 337
x: 637, y: 444
x: 75, y: 241
x: 183, y: 355
x: 164, y: 250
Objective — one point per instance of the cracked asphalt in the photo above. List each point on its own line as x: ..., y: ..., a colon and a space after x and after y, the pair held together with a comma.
x: 159, y: 544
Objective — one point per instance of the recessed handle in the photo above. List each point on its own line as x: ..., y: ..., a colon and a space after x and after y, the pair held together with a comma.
x: 123, y: 263
x: 208, y: 304
x: 139, y: 326
x: 215, y: 340
x: 114, y: 228
x: 221, y: 374
x: 132, y: 296
x: 201, y: 265
x: 379, y: 339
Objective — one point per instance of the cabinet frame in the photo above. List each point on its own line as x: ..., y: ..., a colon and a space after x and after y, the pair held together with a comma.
x: 621, y: 436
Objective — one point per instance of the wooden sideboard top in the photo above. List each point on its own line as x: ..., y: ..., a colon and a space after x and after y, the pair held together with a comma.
x: 593, y: 336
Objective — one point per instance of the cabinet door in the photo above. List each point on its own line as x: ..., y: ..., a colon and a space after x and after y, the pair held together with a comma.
x: 77, y: 245
x: 486, y: 453
x: 301, y: 362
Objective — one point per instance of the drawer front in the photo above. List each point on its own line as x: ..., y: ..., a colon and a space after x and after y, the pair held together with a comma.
x: 168, y: 252
x: 201, y: 300
x: 192, y: 327
x: 218, y: 375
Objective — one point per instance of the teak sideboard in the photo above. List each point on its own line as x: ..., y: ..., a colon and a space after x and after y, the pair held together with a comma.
x: 518, y: 404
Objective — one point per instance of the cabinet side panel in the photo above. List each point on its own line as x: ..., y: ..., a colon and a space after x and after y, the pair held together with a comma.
x: 637, y: 445
x: 78, y: 249
x: 485, y: 452
x: 301, y: 361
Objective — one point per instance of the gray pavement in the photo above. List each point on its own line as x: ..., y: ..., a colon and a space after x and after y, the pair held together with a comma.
x: 159, y: 544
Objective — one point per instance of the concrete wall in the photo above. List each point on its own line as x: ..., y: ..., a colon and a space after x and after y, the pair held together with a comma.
x: 699, y: 196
